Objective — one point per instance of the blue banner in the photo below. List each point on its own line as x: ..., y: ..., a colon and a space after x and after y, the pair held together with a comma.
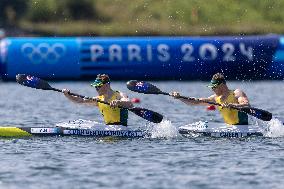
x: 238, y: 57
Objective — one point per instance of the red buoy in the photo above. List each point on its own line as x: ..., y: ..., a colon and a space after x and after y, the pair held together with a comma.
x: 135, y: 100
x: 211, y: 108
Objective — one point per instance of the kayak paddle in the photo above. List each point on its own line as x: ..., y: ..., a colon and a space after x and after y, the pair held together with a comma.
x: 148, y: 88
x: 37, y: 83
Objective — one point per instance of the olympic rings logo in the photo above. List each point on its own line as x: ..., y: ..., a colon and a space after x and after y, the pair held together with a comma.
x: 43, y: 52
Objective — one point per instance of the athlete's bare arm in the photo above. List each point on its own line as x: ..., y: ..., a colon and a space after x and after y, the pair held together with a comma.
x: 122, y: 100
x: 195, y: 101
x: 242, y: 98
x: 79, y: 100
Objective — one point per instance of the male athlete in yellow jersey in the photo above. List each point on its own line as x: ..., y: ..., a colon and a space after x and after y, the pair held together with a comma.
x: 113, y: 115
x: 226, y: 97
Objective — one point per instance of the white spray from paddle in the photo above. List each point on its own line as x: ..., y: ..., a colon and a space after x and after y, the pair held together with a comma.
x: 275, y: 128
x: 165, y: 129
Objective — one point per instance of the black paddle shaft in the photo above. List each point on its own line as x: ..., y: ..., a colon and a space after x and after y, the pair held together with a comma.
x: 258, y: 113
x: 142, y: 112
x: 148, y: 88
x: 34, y: 82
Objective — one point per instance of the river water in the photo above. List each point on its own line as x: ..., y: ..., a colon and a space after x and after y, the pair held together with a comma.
x: 166, y: 160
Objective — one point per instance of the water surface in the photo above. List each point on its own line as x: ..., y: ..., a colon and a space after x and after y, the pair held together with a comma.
x: 167, y: 160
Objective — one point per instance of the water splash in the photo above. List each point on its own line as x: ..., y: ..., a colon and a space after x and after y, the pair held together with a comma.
x: 275, y: 128
x: 165, y: 129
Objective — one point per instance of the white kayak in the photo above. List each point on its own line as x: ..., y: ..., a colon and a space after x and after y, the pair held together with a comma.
x: 74, y: 128
x: 82, y: 127
x: 212, y: 129
x: 90, y: 128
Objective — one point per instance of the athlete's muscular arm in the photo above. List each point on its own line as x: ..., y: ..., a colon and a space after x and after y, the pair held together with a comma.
x: 210, y: 99
x: 79, y: 100
x: 196, y: 101
x: 122, y: 100
x: 242, y: 98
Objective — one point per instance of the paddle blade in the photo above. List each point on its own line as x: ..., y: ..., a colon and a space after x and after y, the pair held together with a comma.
x: 142, y: 87
x: 147, y: 114
x: 258, y: 113
x: 32, y: 81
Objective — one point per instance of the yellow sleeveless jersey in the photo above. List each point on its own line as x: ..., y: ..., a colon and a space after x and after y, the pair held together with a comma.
x: 232, y: 116
x: 113, y: 116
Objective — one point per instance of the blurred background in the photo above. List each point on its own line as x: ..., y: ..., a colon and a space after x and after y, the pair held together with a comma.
x: 142, y: 39
x: 182, y: 40
x: 140, y: 17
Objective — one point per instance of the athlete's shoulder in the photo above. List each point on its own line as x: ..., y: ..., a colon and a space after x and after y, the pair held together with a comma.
x: 212, y: 97
x: 239, y: 93
x: 121, y: 95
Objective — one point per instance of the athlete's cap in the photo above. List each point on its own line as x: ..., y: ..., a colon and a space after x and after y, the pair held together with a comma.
x: 215, y: 82
x: 101, y: 80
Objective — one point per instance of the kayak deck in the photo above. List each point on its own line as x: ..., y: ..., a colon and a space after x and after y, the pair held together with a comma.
x: 62, y: 131
x: 221, y: 130
x: 73, y: 128
x: 95, y: 129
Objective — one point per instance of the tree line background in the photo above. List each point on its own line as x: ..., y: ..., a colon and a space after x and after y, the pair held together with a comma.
x: 142, y: 17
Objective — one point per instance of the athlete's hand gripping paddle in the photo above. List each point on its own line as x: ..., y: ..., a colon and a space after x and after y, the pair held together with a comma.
x: 148, y: 88
x: 37, y: 83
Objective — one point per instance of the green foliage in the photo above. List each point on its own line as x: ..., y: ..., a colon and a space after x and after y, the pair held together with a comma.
x: 11, y: 11
x: 151, y: 17
x: 50, y: 10
x: 79, y: 9
x: 42, y: 10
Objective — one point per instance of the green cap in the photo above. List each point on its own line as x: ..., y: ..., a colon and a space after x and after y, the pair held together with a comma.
x: 215, y: 82
x: 101, y: 80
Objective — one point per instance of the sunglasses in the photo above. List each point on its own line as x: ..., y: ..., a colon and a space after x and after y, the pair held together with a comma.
x: 214, y: 87
x: 98, y: 87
